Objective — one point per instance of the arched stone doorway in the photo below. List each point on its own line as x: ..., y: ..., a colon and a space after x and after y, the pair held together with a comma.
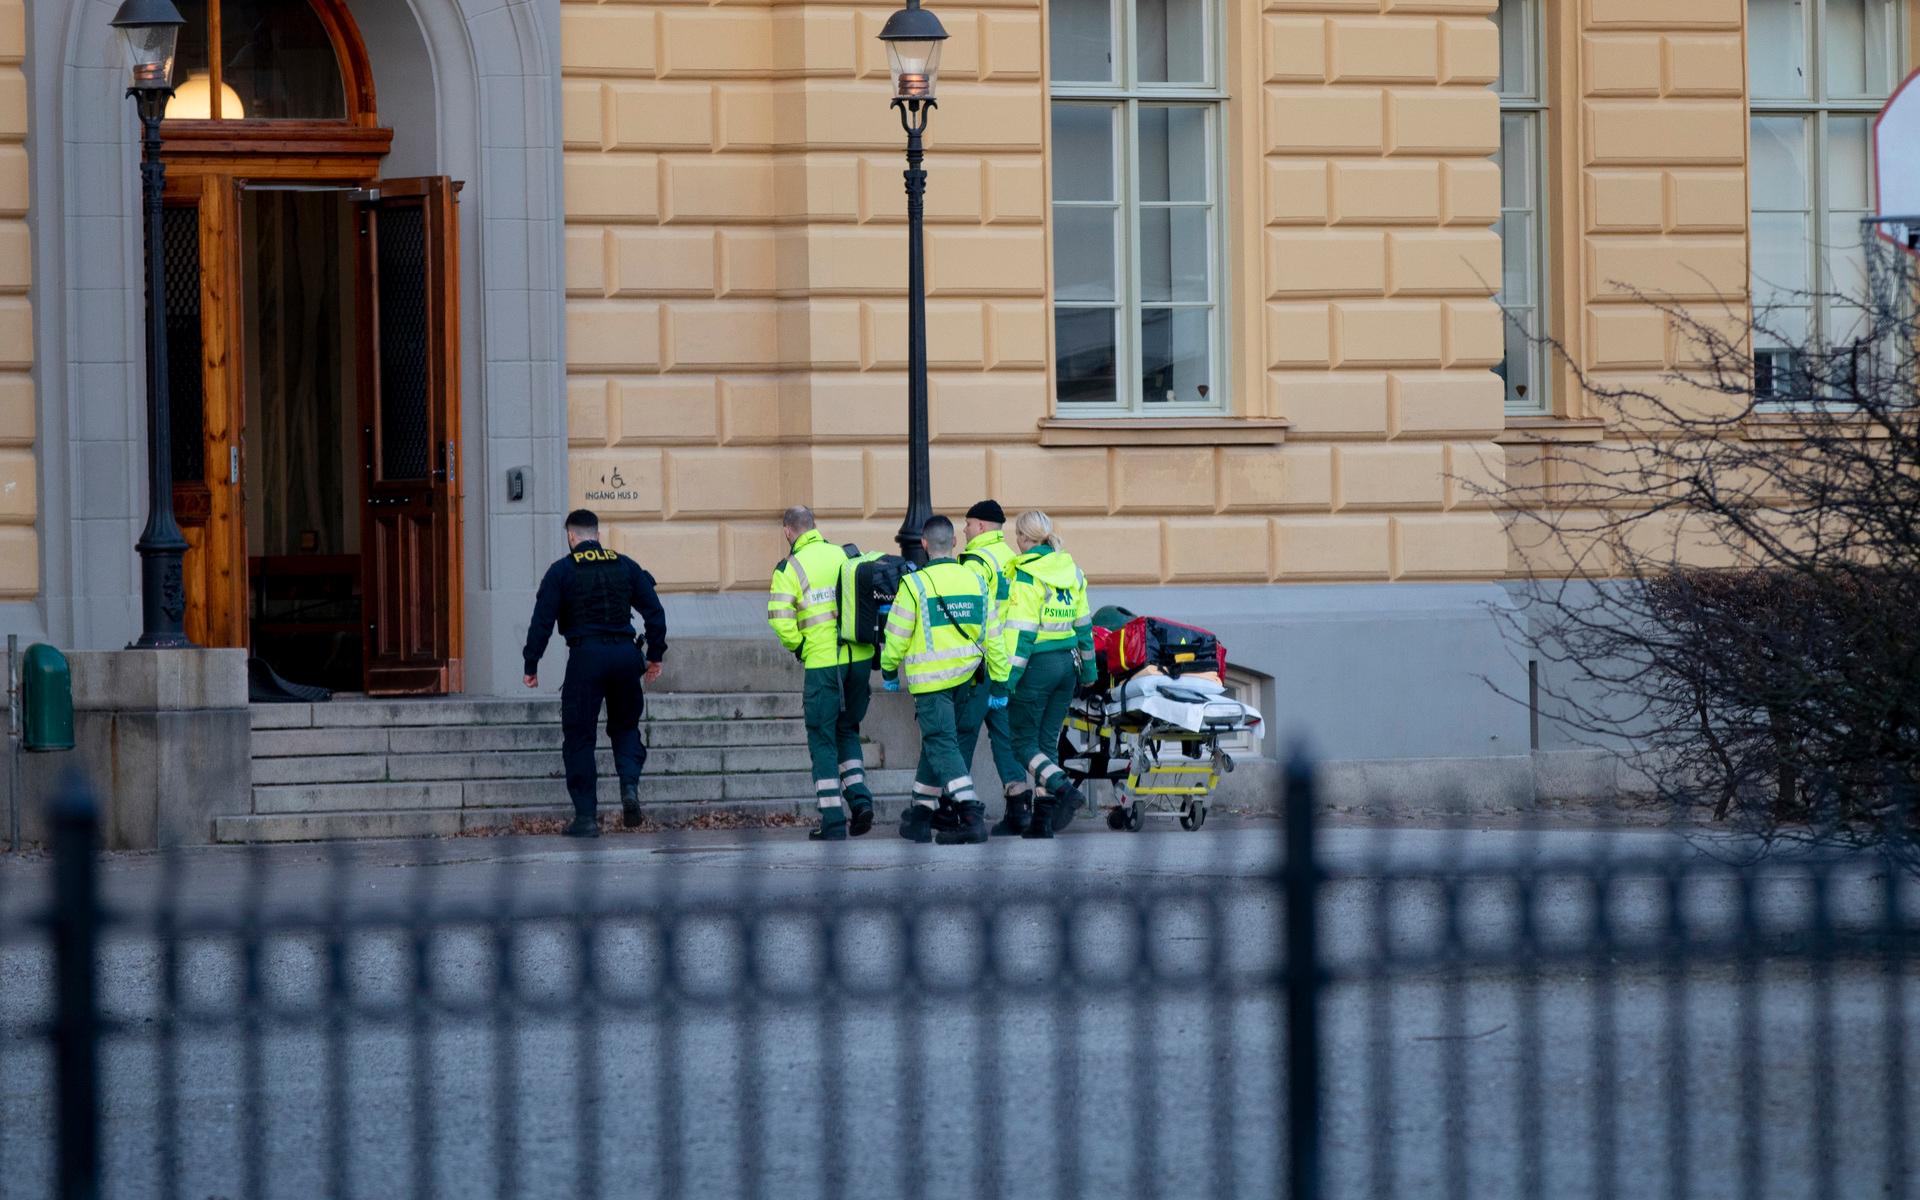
x: 467, y: 94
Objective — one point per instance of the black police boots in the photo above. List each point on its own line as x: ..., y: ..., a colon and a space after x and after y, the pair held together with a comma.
x: 1014, y: 823
x: 1066, y: 805
x: 583, y: 827
x: 916, y: 824
x: 630, y: 805
x: 1041, y: 826
x: 970, y: 829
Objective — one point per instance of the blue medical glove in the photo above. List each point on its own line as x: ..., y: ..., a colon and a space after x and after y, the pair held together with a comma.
x: 994, y: 702
x: 891, y: 685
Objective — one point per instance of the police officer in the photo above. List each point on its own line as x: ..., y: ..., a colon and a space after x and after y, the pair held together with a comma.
x: 803, y: 607
x: 593, y: 592
x: 937, y: 638
x: 988, y: 553
x: 1049, y: 639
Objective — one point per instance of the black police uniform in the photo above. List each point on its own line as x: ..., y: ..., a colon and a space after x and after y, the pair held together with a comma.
x: 593, y: 593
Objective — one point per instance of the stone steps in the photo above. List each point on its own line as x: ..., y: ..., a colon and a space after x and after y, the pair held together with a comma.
x: 504, y: 738
x: 358, y: 768
x: 367, y: 714
x: 375, y: 767
x: 441, y: 808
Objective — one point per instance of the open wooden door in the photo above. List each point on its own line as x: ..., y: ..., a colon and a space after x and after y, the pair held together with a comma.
x: 410, y: 436
x: 206, y: 407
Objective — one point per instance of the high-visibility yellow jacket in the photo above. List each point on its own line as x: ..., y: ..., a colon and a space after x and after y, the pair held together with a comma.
x: 1046, y: 612
x: 803, y: 604
x: 989, y: 557
x: 937, y: 630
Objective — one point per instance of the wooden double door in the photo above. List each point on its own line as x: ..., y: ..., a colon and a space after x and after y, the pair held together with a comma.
x: 384, y: 581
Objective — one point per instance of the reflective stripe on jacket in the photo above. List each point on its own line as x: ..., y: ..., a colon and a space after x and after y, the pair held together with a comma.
x: 803, y: 603
x: 937, y: 631
x: 990, y: 557
x: 1046, y: 612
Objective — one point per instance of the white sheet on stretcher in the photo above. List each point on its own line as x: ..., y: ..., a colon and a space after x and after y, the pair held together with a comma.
x: 1195, y: 704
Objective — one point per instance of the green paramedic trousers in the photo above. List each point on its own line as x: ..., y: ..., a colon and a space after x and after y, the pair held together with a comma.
x: 834, y: 704
x: 1006, y: 764
x: 1038, y: 712
x: 949, y: 721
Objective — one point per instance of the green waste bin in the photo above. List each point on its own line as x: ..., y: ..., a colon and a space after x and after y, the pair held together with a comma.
x: 46, y: 699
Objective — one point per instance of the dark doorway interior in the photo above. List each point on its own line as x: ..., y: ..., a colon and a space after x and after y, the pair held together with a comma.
x: 303, y: 486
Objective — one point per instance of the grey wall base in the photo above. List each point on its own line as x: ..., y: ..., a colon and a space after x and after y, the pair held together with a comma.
x: 161, y: 739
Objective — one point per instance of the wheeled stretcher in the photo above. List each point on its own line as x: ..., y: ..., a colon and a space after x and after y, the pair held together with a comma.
x: 1156, y: 739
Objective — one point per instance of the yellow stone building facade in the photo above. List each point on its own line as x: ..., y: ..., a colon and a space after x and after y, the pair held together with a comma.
x: 1220, y: 284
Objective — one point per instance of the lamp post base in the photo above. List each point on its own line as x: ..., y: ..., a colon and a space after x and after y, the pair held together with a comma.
x: 163, y: 596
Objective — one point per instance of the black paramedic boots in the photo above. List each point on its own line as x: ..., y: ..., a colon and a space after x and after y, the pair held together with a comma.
x: 970, y: 829
x: 1041, y: 826
x: 1066, y: 805
x: 916, y: 824
x: 1014, y: 823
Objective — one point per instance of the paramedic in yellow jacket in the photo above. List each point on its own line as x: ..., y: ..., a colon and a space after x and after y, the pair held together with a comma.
x: 1048, y: 634
x: 988, y: 553
x: 937, y: 640
x: 803, y: 606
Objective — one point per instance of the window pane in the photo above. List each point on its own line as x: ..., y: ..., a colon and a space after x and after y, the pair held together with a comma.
x: 277, y: 56
x: 1516, y: 161
x: 1082, y: 152
x: 1859, y: 47
x: 1174, y: 353
x: 1172, y: 40
x: 1174, y: 255
x: 1173, y: 153
x: 1085, y: 354
x: 1777, y: 328
x: 1849, y: 177
x: 1083, y: 254
x: 1081, y: 32
x: 1845, y: 254
x: 1777, y: 48
x: 1780, y: 254
x: 1514, y: 19
x: 1517, y: 368
x: 190, y: 52
x: 1516, y: 259
x: 1780, y: 163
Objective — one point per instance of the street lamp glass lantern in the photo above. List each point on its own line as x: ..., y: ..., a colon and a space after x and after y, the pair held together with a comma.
x: 913, y: 36
x: 151, y: 29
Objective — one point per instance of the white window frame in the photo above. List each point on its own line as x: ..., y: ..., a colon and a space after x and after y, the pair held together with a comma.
x: 1817, y: 112
x: 1530, y: 105
x: 1128, y: 94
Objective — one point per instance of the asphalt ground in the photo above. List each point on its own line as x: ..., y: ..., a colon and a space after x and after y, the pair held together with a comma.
x: 744, y: 1013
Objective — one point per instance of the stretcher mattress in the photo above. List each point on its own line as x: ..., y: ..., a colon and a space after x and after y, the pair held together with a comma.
x: 1198, y: 704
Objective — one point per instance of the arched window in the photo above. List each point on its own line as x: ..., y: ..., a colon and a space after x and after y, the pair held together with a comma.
x: 270, y: 60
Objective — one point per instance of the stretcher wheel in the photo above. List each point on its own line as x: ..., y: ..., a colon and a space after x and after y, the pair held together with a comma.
x: 1117, y: 818
x: 1194, y: 817
x: 1136, y: 816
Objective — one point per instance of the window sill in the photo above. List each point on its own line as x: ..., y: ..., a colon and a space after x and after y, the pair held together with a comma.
x: 1793, y: 426
x: 1535, y: 430
x: 1162, y: 431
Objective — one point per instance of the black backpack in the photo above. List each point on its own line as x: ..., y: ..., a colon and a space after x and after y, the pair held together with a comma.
x: 868, y: 584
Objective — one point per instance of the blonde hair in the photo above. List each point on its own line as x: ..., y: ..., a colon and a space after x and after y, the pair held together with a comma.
x: 1035, y: 528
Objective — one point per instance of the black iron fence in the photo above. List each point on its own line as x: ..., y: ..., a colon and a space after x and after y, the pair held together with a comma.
x: 1256, y: 1009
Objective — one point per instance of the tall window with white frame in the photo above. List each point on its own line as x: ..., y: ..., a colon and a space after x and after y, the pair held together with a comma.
x: 1138, y: 109
x: 1818, y: 70
x: 1523, y: 190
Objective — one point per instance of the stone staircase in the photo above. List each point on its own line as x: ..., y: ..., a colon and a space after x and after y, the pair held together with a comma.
x: 357, y: 768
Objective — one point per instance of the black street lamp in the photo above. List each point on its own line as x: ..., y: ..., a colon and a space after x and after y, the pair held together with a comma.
x: 151, y: 29
x: 913, y: 36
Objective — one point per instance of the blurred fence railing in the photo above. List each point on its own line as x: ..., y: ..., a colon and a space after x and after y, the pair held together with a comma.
x: 1252, y: 1010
